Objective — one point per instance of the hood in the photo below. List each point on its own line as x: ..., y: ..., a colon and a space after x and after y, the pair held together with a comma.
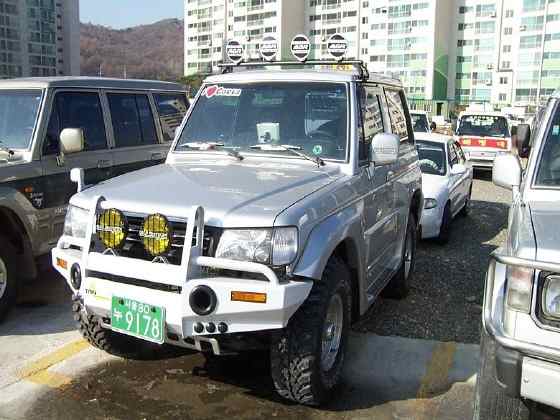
x: 232, y: 193
x: 545, y: 216
x: 434, y: 185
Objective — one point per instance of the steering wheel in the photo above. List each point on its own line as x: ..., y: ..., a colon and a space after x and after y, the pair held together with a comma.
x: 321, y: 133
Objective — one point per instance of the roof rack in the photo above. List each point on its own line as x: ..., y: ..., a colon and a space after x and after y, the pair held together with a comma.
x: 359, y: 65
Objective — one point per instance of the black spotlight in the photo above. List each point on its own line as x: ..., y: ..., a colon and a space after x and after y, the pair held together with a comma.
x: 76, y: 276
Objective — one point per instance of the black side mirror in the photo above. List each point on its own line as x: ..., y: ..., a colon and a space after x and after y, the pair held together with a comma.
x: 523, y: 139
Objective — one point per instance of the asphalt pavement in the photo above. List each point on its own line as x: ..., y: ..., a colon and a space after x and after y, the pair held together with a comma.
x: 410, y: 359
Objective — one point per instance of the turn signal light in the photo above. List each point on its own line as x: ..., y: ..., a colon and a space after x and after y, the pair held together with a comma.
x: 62, y: 263
x: 248, y: 297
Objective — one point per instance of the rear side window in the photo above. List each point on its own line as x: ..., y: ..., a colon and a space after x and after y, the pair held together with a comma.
x: 397, y: 112
x: 372, y: 120
x: 172, y: 108
x: 133, y: 122
x: 76, y: 110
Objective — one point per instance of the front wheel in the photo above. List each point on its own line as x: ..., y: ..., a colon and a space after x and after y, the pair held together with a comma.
x: 445, y: 229
x: 8, y: 285
x: 308, y: 355
x: 490, y: 400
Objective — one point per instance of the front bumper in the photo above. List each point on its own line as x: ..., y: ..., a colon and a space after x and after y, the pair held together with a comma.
x: 431, y: 222
x: 525, y: 369
x: 169, y: 287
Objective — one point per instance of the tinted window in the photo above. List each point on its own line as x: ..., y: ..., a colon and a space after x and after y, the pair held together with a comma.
x: 372, y: 119
x: 172, y: 108
x: 453, y: 158
x: 397, y: 112
x: 420, y: 123
x: 308, y: 116
x: 76, y: 110
x: 460, y: 153
x: 548, y: 174
x: 133, y: 122
x: 431, y: 157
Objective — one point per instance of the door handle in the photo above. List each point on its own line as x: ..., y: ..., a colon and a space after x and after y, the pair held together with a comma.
x: 390, y: 175
x: 103, y: 163
x: 157, y: 156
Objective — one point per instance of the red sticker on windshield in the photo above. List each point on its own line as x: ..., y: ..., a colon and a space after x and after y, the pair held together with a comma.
x: 216, y: 90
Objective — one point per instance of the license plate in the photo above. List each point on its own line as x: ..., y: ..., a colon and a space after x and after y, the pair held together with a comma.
x: 137, y: 319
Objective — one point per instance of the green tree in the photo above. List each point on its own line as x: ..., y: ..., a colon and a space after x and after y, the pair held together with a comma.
x: 193, y: 82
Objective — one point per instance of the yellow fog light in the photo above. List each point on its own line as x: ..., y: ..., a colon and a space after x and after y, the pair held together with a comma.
x: 111, y: 228
x: 156, y: 234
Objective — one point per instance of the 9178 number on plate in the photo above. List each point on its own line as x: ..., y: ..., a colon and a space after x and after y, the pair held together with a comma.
x: 137, y: 319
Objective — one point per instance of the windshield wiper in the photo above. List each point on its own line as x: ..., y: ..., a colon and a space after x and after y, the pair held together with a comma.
x: 296, y: 150
x: 6, y: 149
x: 208, y: 145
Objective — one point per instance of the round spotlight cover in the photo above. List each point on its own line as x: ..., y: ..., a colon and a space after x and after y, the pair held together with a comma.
x: 234, y: 51
x: 156, y: 234
x: 337, y: 46
x: 268, y: 48
x: 301, y: 47
x: 111, y: 228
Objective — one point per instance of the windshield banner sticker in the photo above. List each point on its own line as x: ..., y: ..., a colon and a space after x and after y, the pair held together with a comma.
x: 216, y: 90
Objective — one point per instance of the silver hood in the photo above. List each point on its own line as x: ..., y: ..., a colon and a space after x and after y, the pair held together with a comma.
x: 232, y: 193
x: 546, y: 218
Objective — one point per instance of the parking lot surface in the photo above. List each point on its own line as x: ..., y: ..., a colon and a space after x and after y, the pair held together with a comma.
x: 410, y: 359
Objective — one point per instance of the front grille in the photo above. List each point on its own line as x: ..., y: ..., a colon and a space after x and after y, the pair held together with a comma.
x: 134, y: 248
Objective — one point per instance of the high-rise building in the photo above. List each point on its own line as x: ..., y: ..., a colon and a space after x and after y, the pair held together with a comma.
x: 505, y: 52
x: 39, y: 38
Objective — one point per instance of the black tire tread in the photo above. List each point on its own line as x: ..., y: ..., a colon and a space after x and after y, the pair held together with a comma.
x: 445, y: 229
x: 293, y: 350
x: 8, y: 301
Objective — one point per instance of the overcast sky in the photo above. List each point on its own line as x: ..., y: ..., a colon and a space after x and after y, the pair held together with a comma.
x: 125, y: 13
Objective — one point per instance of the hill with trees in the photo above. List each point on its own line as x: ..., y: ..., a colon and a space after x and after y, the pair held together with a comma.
x: 152, y: 51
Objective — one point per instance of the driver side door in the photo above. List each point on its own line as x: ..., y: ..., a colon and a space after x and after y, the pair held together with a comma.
x: 73, y: 109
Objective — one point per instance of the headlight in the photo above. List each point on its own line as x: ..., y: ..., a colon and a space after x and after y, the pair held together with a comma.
x: 551, y: 297
x: 76, y: 222
x: 278, y: 247
x: 430, y: 203
x: 519, y: 288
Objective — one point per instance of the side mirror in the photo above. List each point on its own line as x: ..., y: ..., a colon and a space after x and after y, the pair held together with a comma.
x: 507, y: 171
x: 458, y: 169
x: 77, y: 177
x: 71, y: 141
x: 433, y: 126
x: 385, y: 149
x: 523, y: 140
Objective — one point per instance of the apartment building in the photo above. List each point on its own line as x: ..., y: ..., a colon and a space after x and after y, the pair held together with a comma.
x: 209, y: 24
x: 507, y: 52
x: 39, y: 38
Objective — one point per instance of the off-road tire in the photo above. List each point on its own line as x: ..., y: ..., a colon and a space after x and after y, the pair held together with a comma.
x: 445, y: 229
x: 490, y: 400
x: 398, y: 286
x: 296, y: 351
x: 467, y: 207
x: 120, y: 345
x: 8, y: 257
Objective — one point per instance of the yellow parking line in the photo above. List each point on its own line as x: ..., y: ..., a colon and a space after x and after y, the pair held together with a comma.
x: 435, y: 378
x: 36, y: 372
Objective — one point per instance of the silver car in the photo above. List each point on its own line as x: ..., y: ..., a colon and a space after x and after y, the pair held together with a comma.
x: 289, y: 201
x: 123, y: 125
x: 520, y: 346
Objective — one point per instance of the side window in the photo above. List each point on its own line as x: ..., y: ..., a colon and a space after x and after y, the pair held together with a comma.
x: 372, y: 123
x: 172, y: 108
x: 460, y: 153
x: 76, y: 110
x: 133, y: 122
x: 397, y: 111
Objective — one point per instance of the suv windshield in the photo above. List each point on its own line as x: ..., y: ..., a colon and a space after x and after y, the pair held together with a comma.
x: 420, y: 123
x: 18, y: 115
x: 431, y: 157
x: 311, y: 117
x: 548, y: 174
x: 483, y: 126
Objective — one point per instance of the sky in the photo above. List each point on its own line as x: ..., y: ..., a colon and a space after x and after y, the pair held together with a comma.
x: 125, y: 13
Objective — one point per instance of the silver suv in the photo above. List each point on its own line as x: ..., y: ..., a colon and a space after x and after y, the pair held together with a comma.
x: 520, y: 346
x: 49, y: 125
x: 289, y: 201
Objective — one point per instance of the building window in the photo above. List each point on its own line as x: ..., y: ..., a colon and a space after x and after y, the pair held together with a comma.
x: 507, y: 48
x: 506, y: 64
x: 509, y: 13
x: 503, y: 80
x: 508, y: 31
x: 502, y: 97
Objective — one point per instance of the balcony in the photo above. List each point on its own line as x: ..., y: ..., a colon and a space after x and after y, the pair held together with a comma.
x: 255, y: 22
